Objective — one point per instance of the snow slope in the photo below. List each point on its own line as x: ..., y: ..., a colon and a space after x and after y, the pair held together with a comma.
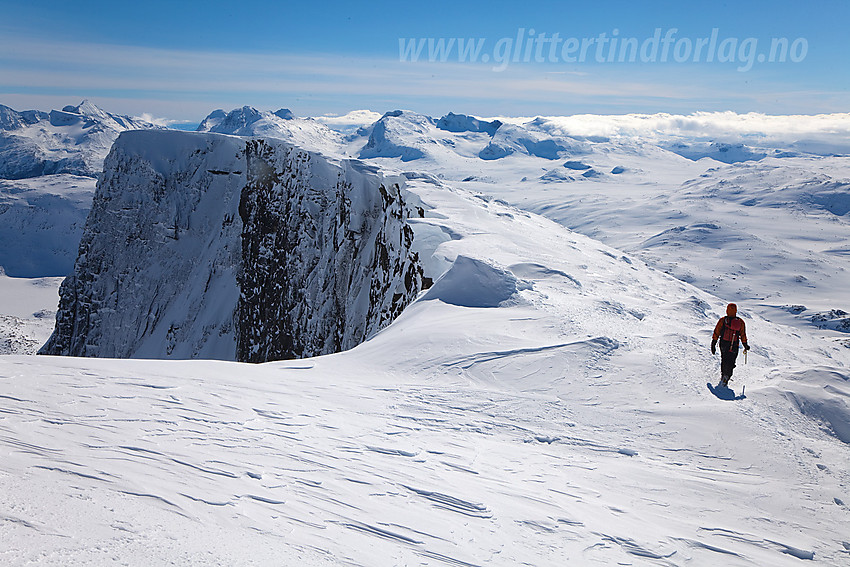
x: 544, y: 403
x: 771, y: 234
x: 752, y: 208
x: 27, y: 312
x: 41, y: 223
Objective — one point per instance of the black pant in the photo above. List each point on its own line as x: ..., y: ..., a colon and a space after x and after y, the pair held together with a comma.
x: 728, y: 354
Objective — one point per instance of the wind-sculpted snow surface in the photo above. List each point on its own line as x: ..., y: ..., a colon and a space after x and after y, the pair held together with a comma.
x: 473, y: 283
x: 821, y: 394
x: 556, y: 415
x: 200, y: 246
x: 544, y: 404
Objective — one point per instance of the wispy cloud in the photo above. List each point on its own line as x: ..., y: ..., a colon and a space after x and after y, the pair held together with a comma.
x: 201, y: 80
x: 148, y: 117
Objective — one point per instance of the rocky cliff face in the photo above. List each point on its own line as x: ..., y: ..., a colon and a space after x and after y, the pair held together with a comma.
x: 208, y: 246
x: 156, y: 270
x: 325, y: 253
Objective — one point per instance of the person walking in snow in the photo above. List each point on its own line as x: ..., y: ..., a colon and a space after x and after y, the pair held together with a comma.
x: 728, y: 331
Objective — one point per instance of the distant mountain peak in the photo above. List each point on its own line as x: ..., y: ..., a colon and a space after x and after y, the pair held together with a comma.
x: 87, y: 108
x: 452, y: 122
x: 212, y: 120
x: 230, y: 122
x: 73, y: 140
x: 9, y: 118
x: 396, y: 134
x: 281, y: 124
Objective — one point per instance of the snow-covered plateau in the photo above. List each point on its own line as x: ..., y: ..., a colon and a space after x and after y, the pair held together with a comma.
x: 541, y: 399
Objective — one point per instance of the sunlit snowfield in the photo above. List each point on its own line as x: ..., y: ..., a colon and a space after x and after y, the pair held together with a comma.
x: 544, y: 403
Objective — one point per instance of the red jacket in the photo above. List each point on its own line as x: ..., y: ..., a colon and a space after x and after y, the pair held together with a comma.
x: 729, y: 330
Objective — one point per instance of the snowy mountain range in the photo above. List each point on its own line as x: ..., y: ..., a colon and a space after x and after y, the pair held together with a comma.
x: 73, y: 140
x: 498, y: 331
x: 305, y: 133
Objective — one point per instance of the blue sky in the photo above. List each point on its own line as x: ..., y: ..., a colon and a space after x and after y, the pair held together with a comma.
x: 181, y: 60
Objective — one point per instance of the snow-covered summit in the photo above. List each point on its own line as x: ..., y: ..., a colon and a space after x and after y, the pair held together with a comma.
x: 399, y: 134
x: 281, y: 124
x: 213, y: 120
x: 73, y: 140
x: 11, y: 119
x: 351, y: 122
x: 237, y: 122
x: 409, y: 136
x: 462, y: 123
x: 511, y: 138
x: 720, y: 151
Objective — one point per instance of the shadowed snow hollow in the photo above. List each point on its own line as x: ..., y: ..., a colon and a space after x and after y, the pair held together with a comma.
x: 821, y: 394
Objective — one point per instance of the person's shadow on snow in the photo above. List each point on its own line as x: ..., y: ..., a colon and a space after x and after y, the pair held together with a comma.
x: 725, y: 393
